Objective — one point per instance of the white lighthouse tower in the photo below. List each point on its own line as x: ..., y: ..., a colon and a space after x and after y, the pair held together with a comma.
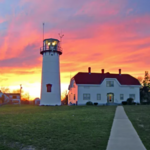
x: 50, y: 85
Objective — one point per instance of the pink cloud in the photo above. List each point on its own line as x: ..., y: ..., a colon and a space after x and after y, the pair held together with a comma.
x: 96, y: 35
x: 1, y: 20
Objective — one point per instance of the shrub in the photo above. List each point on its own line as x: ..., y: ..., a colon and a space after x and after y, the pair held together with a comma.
x: 124, y: 103
x: 130, y: 101
x: 134, y: 103
x: 96, y: 104
x: 89, y: 103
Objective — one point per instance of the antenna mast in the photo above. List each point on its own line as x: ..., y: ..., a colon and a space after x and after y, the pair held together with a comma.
x: 60, y: 36
x: 43, y: 31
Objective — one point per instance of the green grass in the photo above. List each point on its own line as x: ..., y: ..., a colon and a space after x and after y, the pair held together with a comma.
x: 140, y: 118
x: 55, y: 128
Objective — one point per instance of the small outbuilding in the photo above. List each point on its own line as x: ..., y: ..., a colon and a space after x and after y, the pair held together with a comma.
x: 37, y: 101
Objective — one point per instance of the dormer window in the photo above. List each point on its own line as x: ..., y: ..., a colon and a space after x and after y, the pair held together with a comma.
x: 110, y: 83
x: 49, y: 87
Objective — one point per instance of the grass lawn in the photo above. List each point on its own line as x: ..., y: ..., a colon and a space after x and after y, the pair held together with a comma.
x: 55, y: 128
x: 140, y: 117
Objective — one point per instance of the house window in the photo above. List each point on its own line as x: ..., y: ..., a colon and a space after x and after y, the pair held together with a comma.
x: 74, y: 97
x: 86, y: 96
x: 121, y: 96
x: 98, y: 96
x: 132, y: 96
x: 110, y: 83
x: 49, y: 87
x: 14, y: 97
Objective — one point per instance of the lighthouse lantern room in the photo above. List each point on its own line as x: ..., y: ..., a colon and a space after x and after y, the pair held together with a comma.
x: 50, y: 84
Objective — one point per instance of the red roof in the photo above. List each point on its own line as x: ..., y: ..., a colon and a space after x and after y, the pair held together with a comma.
x: 97, y: 78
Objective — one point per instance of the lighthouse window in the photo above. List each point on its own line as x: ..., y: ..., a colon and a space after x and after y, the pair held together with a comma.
x: 47, y: 47
x: 49, y: 87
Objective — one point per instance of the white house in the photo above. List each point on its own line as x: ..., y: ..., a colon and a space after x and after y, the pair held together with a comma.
x: 103, y: 88
x: 14, y: 98
x: 3, y: 98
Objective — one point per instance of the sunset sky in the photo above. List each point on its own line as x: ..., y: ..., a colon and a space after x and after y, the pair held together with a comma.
x: 101, y: 34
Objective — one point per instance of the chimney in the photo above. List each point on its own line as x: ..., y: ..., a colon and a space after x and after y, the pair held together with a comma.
x: 119, y: 71
x: 89, y: 70
x: 102, y: 71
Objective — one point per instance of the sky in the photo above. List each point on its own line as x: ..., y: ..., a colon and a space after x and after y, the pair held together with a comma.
x: 101, y: 34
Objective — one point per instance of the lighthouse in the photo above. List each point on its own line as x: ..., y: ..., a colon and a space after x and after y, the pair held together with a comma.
x: 50, y: 84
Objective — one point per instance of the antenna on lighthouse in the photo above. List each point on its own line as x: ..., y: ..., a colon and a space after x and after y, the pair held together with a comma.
x: 61, y: 36
x: 43, y: 31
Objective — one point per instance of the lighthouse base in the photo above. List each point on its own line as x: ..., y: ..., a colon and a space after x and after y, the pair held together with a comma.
x: 50, y: 101
x: 52, y: 104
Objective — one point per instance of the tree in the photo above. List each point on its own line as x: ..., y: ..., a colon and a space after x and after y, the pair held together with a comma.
x: 5, y: 90
x: 17, y: 91
x: 64, y: 98
x: 140, y: 80
x: 130, y: 101
x: 146, y: 81
x: 144, y: 91
x: 25, y: 96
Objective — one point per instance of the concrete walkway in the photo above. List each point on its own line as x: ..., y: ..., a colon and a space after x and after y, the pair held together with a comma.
x: 123, y: 135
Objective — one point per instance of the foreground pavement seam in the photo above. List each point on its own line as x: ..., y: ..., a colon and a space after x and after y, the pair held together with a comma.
x: 123, y: 135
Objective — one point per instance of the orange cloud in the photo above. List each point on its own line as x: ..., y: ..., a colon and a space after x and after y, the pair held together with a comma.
x: 97, y: 34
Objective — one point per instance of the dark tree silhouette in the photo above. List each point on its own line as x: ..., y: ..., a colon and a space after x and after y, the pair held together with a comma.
x: 146, y: 81
x: 145, y: 90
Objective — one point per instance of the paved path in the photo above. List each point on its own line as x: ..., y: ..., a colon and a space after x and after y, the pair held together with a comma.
x: 123, y: 135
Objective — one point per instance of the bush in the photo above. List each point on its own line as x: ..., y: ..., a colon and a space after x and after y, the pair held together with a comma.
x: 134, y: 103
x: 145, y: 103
x: 89, y: 103
x: 130, y: 101
x: 124, y: 103
x: 96, y: 104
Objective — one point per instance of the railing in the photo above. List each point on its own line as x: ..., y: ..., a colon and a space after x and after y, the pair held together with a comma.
x: 50, y: 49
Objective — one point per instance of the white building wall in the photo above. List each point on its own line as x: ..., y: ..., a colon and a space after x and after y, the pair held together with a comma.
x: 15, y: 101
x: 50, y: 75
x: 73, y: 92
x: 118, y: 89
